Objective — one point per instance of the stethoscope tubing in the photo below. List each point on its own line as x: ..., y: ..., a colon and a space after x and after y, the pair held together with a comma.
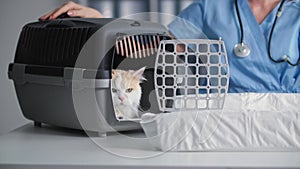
x: 278, y: 13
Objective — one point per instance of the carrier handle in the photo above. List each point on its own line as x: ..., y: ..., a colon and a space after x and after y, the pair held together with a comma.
x: 60, y: 23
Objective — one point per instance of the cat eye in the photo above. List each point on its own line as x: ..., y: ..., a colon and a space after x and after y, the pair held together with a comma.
x: 114, y: 90
x: 129, y: 90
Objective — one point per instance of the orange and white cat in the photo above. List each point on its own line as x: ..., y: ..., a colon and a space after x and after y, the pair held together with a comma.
x: 127, y: 92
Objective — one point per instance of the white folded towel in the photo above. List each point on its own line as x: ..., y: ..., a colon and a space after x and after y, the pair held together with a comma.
x: 248, y: 122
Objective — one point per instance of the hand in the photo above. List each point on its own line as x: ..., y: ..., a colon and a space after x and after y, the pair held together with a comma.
x: 73, y: 10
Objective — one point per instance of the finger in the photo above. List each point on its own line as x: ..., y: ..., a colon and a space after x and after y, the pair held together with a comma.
x: 85, y: 13
x: 46, y: 16
x: 65, y: 8
x: 76, y: 13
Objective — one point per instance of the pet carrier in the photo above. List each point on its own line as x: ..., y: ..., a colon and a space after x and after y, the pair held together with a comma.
x: 62, y: 71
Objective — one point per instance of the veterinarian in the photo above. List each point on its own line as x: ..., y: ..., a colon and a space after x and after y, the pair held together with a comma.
x: 261, y: 36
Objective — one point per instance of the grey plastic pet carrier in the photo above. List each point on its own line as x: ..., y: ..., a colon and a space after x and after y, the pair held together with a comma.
x: 62, y: 71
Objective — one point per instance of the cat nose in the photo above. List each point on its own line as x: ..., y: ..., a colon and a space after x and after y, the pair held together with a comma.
x: 122, y: 98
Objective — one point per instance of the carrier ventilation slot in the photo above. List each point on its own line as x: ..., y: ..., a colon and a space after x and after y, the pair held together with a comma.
x: 138, y: 46
x: 50, y: 46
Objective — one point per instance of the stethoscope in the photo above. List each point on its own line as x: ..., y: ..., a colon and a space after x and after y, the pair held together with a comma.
x: 243, y: 50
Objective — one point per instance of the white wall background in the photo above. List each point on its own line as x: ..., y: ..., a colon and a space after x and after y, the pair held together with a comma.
x: 13, y: 15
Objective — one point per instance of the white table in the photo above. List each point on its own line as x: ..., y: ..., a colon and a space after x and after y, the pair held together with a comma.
x: 32, y: 147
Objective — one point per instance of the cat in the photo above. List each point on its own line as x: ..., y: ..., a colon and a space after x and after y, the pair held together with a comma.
x: 127, y: 92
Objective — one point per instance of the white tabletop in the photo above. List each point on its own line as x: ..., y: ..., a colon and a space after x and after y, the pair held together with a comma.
x: 50, y: 147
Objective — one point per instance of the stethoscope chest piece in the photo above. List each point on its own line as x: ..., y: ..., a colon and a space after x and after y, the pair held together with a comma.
x: 242, y: 50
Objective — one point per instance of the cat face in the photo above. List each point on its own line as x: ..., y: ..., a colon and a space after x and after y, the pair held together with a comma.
x: 126, y: 91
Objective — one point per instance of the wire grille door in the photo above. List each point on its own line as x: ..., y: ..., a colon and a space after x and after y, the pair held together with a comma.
x: 191, y: 74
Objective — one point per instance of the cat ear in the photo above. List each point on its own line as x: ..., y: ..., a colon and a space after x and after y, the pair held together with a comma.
x: 139, y: 73
x: 113, y: 73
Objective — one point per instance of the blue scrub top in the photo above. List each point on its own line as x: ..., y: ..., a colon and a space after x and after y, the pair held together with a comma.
x: 255, y: 73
